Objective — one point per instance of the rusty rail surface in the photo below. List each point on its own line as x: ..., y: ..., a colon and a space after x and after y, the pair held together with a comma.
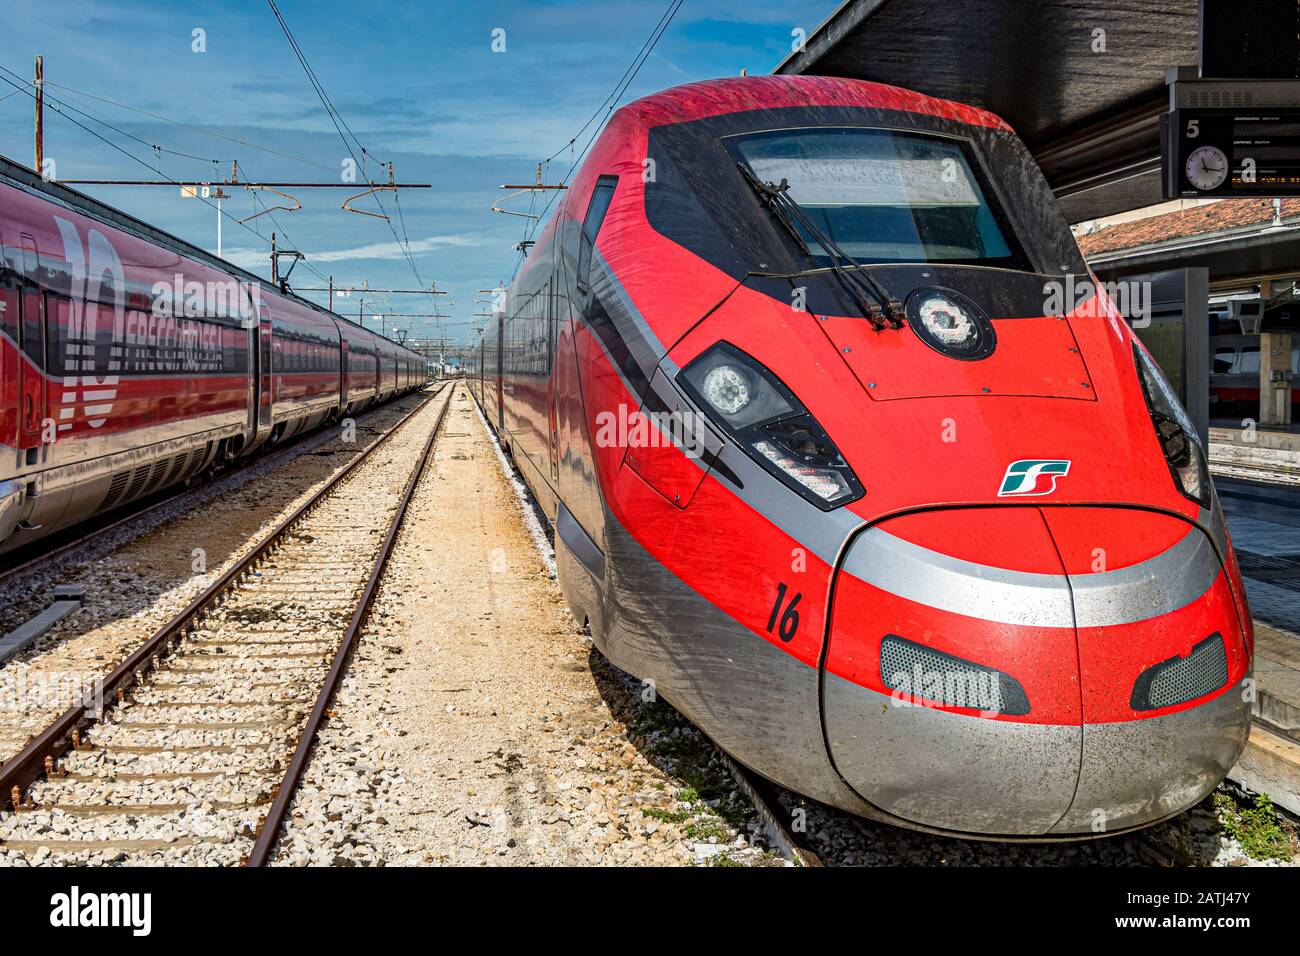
x: 38, y: 755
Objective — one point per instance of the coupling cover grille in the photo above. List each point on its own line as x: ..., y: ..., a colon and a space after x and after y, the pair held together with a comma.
x: 921, y: 671
x: 1181, y: 679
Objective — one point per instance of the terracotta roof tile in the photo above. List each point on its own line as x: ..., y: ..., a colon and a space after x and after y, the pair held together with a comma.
x: 1185, y: 223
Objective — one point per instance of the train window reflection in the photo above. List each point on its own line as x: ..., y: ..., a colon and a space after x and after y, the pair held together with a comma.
x: 885, y: 196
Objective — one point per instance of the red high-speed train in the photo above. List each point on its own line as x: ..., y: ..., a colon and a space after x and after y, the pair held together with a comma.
x: 828, y: 465
x: 131, y: 361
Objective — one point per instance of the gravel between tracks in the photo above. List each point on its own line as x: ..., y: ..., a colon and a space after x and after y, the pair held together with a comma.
x: 477, y: 726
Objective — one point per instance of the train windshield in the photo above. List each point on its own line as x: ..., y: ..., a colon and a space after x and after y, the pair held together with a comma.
x: 883, y: 196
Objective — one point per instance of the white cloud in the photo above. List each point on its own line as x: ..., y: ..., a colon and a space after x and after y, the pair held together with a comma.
x: 255, y: 258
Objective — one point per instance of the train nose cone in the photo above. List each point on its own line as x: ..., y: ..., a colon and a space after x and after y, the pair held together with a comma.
x: 1034, y: 671
x: 1163, y: 654
x: 952, y: 687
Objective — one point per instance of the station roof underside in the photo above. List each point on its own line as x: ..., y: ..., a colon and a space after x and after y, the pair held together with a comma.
x: 1090, y: 118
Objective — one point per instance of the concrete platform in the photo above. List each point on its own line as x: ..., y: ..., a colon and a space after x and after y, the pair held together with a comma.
x: 1270, y: 764
x: 67, y: 598
x: 1266, y: 455
x: 1264, y: 520
x: 1277, y: 679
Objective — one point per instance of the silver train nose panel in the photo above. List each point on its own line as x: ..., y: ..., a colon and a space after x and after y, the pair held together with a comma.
x: 1140, y: 771
x: 1081, y: 638
x: 948, y: 770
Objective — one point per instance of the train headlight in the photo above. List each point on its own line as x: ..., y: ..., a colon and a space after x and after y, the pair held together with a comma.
x: 950, y: 324
x: 770, y: 424
x: 726, y: 389
x: 1174, y: 429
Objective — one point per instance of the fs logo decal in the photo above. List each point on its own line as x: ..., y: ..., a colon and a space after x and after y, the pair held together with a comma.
x: 1032, y: 477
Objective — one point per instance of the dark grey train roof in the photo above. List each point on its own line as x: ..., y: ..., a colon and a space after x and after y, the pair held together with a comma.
x: 21, y: 177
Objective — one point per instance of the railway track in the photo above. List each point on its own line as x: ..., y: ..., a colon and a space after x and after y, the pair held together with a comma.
x: 193, y: 750
x: 138, y: 580
x: 1273, y: 475
x: 772, y: 816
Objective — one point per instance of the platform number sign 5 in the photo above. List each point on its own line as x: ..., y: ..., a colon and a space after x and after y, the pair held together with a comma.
x: 784, y: 622
x: 1226, y: 152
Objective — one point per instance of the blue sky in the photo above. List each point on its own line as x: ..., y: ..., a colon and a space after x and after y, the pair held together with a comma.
x: 418, y: 83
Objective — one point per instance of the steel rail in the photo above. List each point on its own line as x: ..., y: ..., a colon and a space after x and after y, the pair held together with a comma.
x: 268, y: 833
x: 763, y: 795
x: 39, y: 754
x: 133, y: 511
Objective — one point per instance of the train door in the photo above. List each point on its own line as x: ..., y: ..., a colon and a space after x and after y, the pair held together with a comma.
x: 264, y: 373
x: 345, y: 383
x: 500, y: 370
x: 31, y: 334
x: 552, y: 418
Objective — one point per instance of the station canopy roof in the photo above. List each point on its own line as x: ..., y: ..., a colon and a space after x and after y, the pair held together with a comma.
x: 1090, y: 118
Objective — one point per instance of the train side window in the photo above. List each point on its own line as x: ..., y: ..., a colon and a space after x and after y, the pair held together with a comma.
x: 1223, y: 360
x: 601, y: 197
x: 33, y: 335
x: 547, y: 315
x: 1248, y: 361
x: 9, y: 312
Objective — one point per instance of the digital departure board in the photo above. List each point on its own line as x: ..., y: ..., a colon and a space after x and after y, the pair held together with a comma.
x: 1231, y: 152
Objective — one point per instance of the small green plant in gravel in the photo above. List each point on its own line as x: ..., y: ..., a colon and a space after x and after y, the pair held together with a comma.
x: 707, y: 828
x: 666, y: 816
x: 1255, y: 827
x: 706, y: 800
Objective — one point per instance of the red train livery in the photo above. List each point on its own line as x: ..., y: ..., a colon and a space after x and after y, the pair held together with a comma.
x: 131, y: 361
x: 825, y: 469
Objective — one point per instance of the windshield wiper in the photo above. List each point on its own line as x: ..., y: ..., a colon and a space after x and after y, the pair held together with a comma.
x: 886, y: 311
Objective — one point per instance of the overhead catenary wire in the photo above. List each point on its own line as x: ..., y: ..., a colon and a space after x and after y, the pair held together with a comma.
x: 95, y: 118
x: 190, y: 126
x: 340, y: 124
x: 21, y: 85
x: 668, y: 13
x: 306, y: 263
x: 607, y: 106
x: 54, y: 104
